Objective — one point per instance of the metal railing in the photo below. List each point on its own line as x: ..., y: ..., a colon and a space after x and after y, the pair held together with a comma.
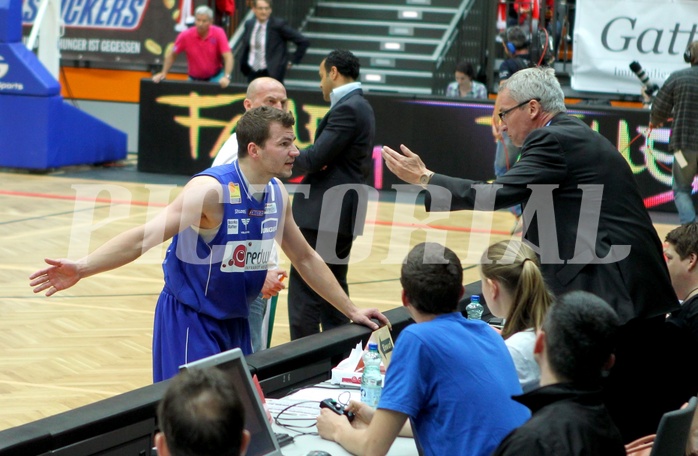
x: 464, y: 42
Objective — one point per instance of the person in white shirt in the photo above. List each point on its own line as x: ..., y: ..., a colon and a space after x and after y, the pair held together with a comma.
x: 260, y: 92
x: 514, y: 289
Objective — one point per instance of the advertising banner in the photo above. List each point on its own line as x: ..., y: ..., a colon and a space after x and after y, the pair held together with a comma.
x: 609, y: 35
x: 183, y: 125
x: 116, y: 31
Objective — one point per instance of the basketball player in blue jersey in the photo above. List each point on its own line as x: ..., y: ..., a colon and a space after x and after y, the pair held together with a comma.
x: 222, y: 225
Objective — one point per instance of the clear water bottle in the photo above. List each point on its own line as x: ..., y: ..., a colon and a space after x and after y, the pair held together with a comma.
x: 371, y: 380
x: 474, y: 309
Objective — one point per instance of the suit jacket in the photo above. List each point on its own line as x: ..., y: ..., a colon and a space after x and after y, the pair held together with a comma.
x: 341, y: 154
x: 574, y: 226
x: 279, y: 33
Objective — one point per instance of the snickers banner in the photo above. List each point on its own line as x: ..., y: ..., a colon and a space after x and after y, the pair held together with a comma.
x: 118, y: 31
x: 609, y: 35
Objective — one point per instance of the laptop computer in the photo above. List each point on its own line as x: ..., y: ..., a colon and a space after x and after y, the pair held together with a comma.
x: 263, y: 441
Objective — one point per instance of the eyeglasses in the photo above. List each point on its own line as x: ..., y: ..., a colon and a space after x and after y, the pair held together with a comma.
x: 507, y: 111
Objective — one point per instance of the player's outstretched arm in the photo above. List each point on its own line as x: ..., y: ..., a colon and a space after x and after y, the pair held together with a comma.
x: 198, y: 204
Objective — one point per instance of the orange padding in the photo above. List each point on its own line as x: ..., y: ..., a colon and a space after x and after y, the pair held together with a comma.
x: 105, y: 85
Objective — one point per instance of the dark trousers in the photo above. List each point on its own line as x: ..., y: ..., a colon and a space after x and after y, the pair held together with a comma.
x: 639, y: 389
x: 252, y: 75
x: 306, y: 309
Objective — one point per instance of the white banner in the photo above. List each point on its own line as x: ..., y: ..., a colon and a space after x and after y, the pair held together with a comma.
x: 610, y: 34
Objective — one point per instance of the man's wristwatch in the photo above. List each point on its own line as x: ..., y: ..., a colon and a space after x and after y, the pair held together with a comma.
x: 228, y: 77
x: 425, y: 178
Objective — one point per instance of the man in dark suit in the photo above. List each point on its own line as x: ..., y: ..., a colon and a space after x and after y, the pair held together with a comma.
x: 584, y: 215
x: 264, y: 44
x: 330, y: 215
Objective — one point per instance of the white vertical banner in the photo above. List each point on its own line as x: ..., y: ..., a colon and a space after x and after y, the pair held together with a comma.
x: 609, y: 35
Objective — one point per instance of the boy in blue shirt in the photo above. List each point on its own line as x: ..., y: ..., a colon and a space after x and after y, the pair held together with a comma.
x: 452, y: 377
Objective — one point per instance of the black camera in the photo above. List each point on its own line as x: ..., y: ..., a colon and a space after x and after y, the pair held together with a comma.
x: 636, y: 68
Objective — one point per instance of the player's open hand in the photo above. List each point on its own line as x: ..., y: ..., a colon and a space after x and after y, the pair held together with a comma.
x: 61, y: 274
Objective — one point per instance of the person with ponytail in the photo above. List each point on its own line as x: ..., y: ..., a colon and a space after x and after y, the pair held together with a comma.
x: 514, y: 289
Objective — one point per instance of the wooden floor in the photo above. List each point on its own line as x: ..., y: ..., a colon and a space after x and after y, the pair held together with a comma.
x: 93, y: 340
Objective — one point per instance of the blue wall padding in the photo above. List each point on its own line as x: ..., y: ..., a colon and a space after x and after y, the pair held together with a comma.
x: 45, y: 132
x: 25, y: 73
x: 10, y: 21
x: 37, y: 129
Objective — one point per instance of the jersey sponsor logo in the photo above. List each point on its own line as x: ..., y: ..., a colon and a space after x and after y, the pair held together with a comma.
x: 233, y: 226
x: 235, y: 195
x: 245, y: 256
x: 270, y: 208
x: 255, y: 213
x: 245, y: 222
x: 240, y: 211
x: 270, y: 225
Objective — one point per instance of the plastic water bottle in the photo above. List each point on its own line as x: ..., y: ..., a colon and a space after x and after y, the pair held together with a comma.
x: 474, y: 309
x: 371, y: 380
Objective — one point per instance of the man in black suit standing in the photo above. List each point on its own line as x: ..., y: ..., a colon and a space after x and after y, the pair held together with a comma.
x: 585, y: 217
x: 332, y: 213
x: 264, y: 44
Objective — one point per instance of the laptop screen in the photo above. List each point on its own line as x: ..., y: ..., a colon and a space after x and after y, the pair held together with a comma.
x: 263, y: 441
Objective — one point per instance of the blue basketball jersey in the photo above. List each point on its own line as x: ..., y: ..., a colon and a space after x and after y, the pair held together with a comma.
x: 221, y: 277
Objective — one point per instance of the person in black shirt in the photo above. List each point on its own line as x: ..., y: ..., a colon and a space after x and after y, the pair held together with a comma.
x: 573, y: 348
x: 681, y: 327
x: 681, y: 253
x: 518, y: 54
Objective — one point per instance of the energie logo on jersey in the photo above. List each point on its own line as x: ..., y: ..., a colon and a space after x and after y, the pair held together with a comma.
x: 245, y: 256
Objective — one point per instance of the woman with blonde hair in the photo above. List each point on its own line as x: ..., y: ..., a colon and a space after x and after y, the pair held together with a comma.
x: 514, y: 289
